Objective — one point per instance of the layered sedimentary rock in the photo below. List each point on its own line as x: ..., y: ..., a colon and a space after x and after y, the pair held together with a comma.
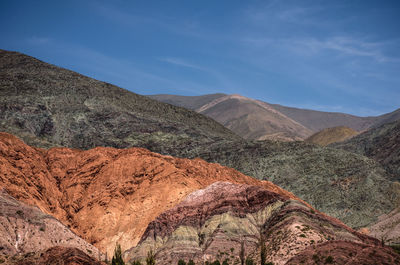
x: 224, y: 220
x: 106, y: 195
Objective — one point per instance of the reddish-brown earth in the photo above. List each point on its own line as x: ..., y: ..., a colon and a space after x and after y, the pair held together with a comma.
x: 344, y: 252
x: 107, y: 195
x: 52, y: 256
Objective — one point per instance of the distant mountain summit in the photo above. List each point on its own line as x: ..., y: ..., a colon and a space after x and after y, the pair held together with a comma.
x: 258, y: 120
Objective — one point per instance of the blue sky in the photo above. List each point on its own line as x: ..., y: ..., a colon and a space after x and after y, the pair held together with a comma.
x: 341, y: 56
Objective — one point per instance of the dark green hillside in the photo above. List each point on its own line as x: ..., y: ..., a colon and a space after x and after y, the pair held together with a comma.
x: 381, y: 144
x: 50, y: 106
x: 348, y: 186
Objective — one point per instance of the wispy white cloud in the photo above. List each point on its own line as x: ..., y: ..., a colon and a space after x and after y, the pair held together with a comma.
x: 36, y: 40
x: 183, y: 63
x: 344, y: 45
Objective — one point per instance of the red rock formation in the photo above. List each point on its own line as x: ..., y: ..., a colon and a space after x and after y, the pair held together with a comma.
x: 107, y: 195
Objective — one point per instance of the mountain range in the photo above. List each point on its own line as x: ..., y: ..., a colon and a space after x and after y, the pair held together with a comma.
x: 258, y: 120
x: 101, y: 166
x: 49, y: 106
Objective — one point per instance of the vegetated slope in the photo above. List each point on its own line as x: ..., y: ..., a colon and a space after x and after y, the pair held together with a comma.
x: 224, y: 219
x: 188, y: 102
x: 52, y: 256
x: 381, y: 144
x: 25, y: 229
x: 50, y: 106
x: 345, y: 185
x: 249, y: 118
x: 388, y: 118
x: 106, y: 195
x: 332, y: 135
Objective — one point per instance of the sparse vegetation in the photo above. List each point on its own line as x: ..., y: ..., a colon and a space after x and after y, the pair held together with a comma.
x: 150, y: 259
x: 250, y: 261
x: 329, y: 260
x: 117, y: 258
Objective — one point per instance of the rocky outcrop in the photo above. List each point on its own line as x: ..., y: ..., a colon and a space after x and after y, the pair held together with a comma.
x: 107, y: 195
x: 24, y: 228
x: 224, y: 220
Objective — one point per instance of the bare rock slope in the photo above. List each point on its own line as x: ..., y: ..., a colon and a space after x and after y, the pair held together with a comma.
x: 25, y: 228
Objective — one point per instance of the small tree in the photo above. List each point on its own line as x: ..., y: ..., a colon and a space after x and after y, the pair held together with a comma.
x: 181, y: 262
x: 191, y: 262
x: 249, y: 261
x: 263, y: 250
x: 242, y: 253
x: 117, y: 258
x: 150, y: 260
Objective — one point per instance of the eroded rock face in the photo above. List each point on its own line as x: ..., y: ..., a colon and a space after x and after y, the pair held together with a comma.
x: 53, y: 256
x: 107, y: 195
x: 219, y: 221
x: 24, y: 228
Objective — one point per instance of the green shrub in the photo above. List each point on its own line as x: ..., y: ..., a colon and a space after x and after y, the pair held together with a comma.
x: 329, y: 260
x: 150, y: 260
x: 249, y: 261
x: 181, y: 262
x: 117, y: 258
